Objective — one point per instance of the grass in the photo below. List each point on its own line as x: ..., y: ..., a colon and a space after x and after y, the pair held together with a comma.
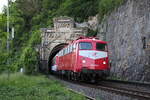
x: 114, y: 77
x: 22, y: 87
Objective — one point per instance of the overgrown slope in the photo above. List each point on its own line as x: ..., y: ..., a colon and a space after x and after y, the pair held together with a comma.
x: 28, y: 16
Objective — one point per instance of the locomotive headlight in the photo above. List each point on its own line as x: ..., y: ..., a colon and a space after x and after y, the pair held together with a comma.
x: 104, y: 62
x: 83, y: 61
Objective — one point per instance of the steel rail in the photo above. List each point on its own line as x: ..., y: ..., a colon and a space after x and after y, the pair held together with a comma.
x: 122, y: 91
x: 128, y: 92
x: 141, y: 95
x: 145, y: 84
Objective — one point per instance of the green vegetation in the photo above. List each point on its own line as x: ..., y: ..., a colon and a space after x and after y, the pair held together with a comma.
x: 115, y: 78
x: 28, y: 16
x: 92, y: 33
x: 3, y: 38
x: 107, y: 6
x: 21, y: 87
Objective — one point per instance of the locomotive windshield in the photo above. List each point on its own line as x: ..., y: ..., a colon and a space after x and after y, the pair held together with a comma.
x: 85, y: 46
x: 101, y: 47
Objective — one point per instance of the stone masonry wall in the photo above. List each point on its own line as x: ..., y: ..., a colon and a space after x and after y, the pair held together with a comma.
x: 127, y: 30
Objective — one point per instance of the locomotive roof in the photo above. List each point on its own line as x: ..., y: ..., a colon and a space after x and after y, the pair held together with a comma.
x: 90, y: 40
x: 87, y: 40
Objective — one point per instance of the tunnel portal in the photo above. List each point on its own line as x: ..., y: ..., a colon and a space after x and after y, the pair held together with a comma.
x: 54, y: 51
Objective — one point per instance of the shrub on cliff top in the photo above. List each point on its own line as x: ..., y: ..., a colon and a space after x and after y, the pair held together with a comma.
x: 106, y: 6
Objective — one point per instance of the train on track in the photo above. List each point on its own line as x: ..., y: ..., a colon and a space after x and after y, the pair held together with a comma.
x: 83, y: 59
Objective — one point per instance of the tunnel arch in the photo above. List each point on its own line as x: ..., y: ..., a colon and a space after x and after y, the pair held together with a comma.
x: 53, y: 52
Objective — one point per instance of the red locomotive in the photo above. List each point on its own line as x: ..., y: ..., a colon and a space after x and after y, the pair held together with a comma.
x: 83, y: 59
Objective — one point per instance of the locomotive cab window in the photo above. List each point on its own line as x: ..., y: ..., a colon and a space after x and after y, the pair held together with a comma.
x: 101, y: 47
x: 85, y: 46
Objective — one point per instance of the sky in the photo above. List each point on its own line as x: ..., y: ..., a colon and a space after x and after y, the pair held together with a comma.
x: 2, y: 3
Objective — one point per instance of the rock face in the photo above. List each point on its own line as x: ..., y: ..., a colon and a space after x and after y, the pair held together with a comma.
x: 127, y: 30
x: 92, y: 23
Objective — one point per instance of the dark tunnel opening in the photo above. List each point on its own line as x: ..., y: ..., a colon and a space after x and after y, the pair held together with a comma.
x: 54, y: 51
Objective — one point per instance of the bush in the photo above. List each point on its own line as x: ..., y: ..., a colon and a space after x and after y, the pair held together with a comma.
x: 80, y: 10
x: 106, y: 6
x: 30, y: 60
x: 3, y: 61
x: 91, y: 33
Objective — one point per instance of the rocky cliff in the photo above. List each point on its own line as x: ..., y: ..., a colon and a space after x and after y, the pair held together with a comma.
x: 127, y: 29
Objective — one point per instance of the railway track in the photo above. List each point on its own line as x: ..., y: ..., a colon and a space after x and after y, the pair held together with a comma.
x: 141, y: 95
x: 144, y: 84
x: 135, y: 89
x: 108, y: 86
